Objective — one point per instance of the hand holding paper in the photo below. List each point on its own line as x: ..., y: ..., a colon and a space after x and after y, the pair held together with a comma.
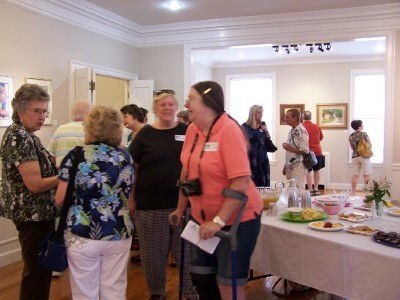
x: 191, y: 233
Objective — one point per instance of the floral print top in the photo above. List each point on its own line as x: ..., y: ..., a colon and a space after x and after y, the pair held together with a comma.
x: 297, y: 138
x: 103, y: 184
x: 16, y: 201
x: 355, y: 139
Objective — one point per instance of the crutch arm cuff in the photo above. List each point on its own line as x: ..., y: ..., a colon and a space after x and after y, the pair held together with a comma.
x: 227, y: 192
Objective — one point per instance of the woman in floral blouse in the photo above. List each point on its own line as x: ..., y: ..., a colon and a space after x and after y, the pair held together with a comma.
x: 99, y: 227
x: 28, y: 185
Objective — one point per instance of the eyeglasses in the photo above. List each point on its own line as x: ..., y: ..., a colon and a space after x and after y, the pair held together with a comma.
x: 38, y: 112
x: 163, y: 91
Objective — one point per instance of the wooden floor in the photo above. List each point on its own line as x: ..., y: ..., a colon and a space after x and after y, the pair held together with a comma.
x: 259, y: 289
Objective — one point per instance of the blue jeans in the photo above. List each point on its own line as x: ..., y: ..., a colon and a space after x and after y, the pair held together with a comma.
x: 220, y: 262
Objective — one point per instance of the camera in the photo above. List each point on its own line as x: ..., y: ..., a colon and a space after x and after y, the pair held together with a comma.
x: 191, y: 187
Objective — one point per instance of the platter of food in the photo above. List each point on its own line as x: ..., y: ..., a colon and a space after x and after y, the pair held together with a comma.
x: 365, y: 206
x: 395, y: 212
x: 320, y: 201
x: 391, y: 239
x: 326, y: 226
x: 307, y: 215
x: 361, y: 229
x: 354, y: 217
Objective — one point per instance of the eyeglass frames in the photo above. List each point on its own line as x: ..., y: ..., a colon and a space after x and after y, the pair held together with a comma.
x: 163, y: 91
x: 39, y: 112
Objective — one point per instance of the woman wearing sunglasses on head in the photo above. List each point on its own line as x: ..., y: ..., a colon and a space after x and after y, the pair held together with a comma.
x: 156, y: 150
x: 214, y: 158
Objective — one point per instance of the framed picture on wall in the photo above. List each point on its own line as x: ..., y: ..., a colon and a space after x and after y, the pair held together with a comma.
x: 285, y: 107
x: 46, y: 85
x: 6, y: 95
x: 332, y: 116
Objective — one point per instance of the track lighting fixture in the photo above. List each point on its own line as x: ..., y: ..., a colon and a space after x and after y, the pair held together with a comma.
x: 295, y: 47
x: 328, y: 46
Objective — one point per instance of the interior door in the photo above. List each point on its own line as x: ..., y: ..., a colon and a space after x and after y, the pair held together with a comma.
x: 141, y: 94
x: 85, y: 81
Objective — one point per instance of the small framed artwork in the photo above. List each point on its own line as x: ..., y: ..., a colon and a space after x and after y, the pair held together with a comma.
x: 46, y: 85
x: 332, y: 116
x: 6, y: 95
x: 285, y: 107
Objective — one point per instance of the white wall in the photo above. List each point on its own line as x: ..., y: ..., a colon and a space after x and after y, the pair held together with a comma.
x: 36, y: 46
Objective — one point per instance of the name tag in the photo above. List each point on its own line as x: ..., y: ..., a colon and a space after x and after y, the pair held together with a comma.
x: 180, y: 138
x: 211, y: 147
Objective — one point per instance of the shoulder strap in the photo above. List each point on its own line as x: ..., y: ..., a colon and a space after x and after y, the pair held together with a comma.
x: 77, y: 158
x: 291, y: 133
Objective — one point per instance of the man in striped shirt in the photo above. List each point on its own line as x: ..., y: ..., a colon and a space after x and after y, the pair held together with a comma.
x: 69, y: 135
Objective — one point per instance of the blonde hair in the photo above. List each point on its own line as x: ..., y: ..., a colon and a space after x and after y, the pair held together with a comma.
x: 162, y: 96
x: 79, y: 110
x: 251, y: 121
x: 104, y: 124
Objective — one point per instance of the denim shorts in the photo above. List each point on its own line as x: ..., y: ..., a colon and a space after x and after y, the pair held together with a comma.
x: 220, y: 262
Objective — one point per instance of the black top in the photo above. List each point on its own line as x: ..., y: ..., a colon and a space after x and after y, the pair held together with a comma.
x: 158, y: 154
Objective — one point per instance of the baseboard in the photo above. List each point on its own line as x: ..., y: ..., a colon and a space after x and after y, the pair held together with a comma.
x: 10, y: 257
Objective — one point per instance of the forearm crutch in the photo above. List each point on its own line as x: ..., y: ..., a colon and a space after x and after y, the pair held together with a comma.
x: 231, y: 234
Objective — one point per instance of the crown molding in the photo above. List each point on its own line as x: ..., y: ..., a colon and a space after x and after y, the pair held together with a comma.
x: 221, y: 32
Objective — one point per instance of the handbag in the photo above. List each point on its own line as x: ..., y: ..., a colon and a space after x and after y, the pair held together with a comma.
x: 52, y: 250
x: 269, y: 145
x: 309, y: 160
x: 364, y: 148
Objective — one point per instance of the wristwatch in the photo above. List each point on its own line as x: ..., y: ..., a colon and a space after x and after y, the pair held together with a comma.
x: 217, y: 220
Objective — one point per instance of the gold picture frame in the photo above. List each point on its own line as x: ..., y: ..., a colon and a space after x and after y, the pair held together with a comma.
x: 285, y: 107
x: 46, y: 85
x: 332, y: 116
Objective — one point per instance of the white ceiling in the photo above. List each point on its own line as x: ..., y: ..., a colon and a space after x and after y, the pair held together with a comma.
x: 147, y: 13
x: 154, y: 12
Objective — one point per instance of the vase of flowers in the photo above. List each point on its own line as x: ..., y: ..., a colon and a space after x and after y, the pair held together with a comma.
x: 376, y: 190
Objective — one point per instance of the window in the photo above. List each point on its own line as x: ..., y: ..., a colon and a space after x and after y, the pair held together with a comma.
x: 368, y: 99
x: 245, y: 90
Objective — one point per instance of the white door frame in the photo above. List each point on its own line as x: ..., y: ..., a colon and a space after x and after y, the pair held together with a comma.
x: 74, y: 65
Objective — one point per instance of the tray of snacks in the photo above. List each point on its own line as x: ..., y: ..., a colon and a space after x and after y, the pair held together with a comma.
x: 307, y: 215
x: 361, y: 229
x: 326, y: 226
x: 365, y: 206
x: 391, y: 239
x: 354, y: 217
x: 395, y: 212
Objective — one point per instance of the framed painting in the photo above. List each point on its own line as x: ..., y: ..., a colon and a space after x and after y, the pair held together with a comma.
x: 6, y: 95
x: 285, y: 107
x: 46, y: 85
x: 332, y: 116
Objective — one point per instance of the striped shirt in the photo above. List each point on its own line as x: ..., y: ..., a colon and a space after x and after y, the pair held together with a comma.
x: 66, y: 138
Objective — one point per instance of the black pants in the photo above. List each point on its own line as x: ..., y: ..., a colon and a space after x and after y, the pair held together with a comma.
x: 35, y: 283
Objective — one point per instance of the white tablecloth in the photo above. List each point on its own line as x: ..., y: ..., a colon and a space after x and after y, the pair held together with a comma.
x: 348, y: 265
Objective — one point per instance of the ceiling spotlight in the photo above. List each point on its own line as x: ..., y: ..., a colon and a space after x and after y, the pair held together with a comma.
x: 295, y: 47
x: 311, y: 49
x: 320, y: 47
x: 328, y: 46
x: 276, y: 48
x: 174, y: 5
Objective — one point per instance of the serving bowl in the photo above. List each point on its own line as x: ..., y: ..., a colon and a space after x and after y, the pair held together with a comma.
x: 331, y: 208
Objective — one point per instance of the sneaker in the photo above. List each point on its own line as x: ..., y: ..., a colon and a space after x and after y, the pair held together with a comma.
x: 316, y: 193
x: 312, y: 193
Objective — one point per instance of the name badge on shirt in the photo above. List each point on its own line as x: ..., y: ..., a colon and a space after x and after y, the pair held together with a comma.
x: 211, y: 147
x: 179, y: 138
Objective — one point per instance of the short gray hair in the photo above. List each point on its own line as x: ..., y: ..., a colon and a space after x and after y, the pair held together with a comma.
x: 26, y: 94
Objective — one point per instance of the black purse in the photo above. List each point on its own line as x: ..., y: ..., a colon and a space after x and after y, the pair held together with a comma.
x: 269, y: 145
x: 52, y: 250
